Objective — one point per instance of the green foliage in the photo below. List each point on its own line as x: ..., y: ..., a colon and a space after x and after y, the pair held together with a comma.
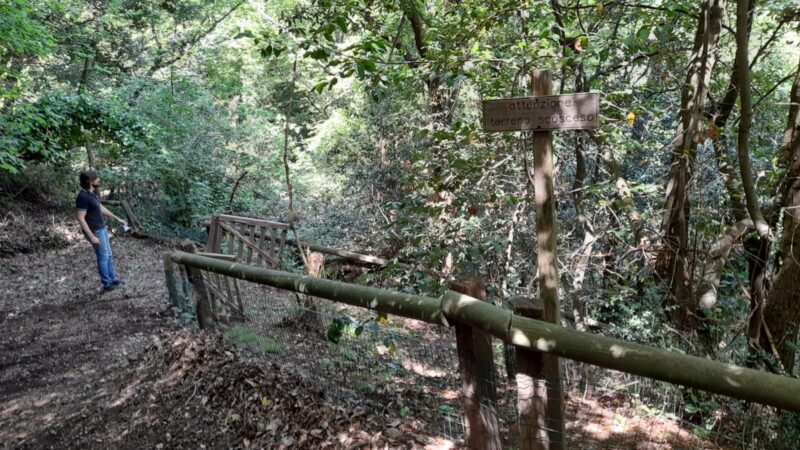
x: 22, y: 36
x: 347, y: 327
x: 253, y: 340
x: 50, y: 128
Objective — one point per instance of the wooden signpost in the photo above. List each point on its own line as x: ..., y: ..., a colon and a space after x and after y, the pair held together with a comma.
x: 540, y: 114
x: 547, y: 112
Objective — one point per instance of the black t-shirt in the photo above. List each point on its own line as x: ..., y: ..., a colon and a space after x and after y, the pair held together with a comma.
x: 88, y: 201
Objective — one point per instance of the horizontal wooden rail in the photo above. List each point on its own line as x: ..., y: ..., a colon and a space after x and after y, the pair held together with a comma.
x: 412, y: 306
x: 651, y: 362
x: 253, y: 221
x: 673, y: 367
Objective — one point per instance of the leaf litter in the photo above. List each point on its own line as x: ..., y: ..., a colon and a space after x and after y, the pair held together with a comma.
x: 81, y: 369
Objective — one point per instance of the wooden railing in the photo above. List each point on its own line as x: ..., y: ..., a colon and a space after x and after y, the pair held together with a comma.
x: 528, y: 334
x: 251, y: 241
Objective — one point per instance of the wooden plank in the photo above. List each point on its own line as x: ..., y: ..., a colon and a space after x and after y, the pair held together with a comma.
x: 226, y: 299
x: 220, y: 238
x: 253, y: 221
x: 262, y: 243
x: 543, y: 112
x: 211, y: 232
x: 215, y: 235
x: 476, y: 365
x: 273, y: 242
x: 222, y: 256
x: 242, y: 242
x: 258, y: 238
x: 231, y: 239
x: 254, y: 230
x: 239, y: 236
x: 284, y: 235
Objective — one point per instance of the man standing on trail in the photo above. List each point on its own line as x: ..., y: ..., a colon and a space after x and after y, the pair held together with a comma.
x: 90, y: 216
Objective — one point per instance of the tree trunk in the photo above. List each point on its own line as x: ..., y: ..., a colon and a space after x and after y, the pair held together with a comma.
x: 90, y: 159
x: 673, y: 261
x: 239, y: 178
x: 758, y: 266
x: 782, y: 309
x: 88, y: 63
x: 588, y: 231
x: 642, y: 241
x: 441, y: 99
x: 718, y: 256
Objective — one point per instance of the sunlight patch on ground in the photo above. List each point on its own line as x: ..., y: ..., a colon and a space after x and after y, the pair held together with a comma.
x: 422, y: 369
x: 598, y: 420
x: 13, y: 407
x: 128, y: 392
x: 70, y: 233
x: 440, y: 444
x: 46, y: 399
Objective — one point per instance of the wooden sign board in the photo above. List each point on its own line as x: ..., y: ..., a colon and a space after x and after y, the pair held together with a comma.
x: 555, y: 112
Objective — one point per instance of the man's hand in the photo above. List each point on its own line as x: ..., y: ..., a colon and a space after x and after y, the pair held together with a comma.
x: 95, y: 242
x: 123, y: 222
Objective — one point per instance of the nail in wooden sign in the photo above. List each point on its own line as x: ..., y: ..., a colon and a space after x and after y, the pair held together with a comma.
x: 556, y: 112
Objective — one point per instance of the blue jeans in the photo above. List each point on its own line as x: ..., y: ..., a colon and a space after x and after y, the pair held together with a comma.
x: 105, y: 260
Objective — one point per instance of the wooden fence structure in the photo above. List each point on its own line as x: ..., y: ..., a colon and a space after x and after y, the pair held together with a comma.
x: 239, y: 239
x: 530, y: 336
x: 251, y: 241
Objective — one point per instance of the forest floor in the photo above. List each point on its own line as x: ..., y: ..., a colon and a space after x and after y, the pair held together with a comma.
x: 85, y: 369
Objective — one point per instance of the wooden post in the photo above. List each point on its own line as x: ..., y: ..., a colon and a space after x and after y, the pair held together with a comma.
x: 546, y: 231
x: 476, y: 363
x: 214, y: 241
x: 532, y: 393
x: 169, y: 275
x: 188, y: 308
x: 205, y: 316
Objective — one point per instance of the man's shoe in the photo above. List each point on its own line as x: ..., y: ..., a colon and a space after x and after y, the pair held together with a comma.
x: 109, y: 288
x: 118, y: 283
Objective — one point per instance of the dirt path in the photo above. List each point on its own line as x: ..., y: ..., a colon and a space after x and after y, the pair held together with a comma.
x: 60, y: 336
x: 81, y: 369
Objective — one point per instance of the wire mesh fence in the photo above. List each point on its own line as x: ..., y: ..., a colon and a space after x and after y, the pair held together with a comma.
x: 405, y: 367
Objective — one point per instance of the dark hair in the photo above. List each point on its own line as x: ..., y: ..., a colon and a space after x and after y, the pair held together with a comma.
x: 86, y: 178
